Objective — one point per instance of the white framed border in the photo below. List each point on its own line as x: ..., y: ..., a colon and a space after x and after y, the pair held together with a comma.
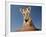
x: 11, y: 34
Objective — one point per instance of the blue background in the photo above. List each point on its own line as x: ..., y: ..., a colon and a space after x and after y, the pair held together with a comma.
x: 17, y: 18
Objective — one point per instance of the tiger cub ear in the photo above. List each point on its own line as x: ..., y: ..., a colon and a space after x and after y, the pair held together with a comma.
x: 21, y: 10
x: 29, y: 8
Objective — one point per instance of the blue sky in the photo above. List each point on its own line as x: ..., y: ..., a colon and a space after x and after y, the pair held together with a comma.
x: 17, y: 18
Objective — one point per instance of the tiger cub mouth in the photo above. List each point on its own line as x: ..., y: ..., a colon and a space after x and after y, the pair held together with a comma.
x: 26, y: 20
